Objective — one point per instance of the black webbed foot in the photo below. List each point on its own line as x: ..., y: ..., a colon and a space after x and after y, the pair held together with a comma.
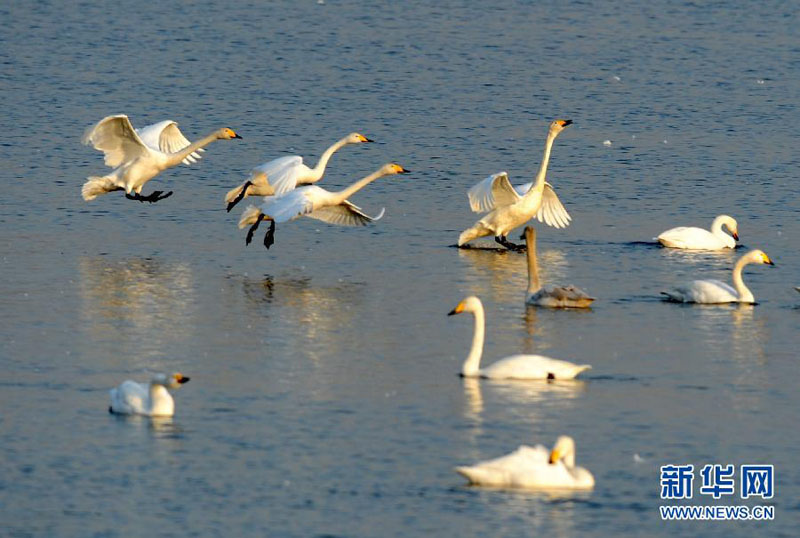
x: 239, y: 197
x: 269, y: 237
x: 253, y: 228
x: 153, y: 197
x: 508, y: 244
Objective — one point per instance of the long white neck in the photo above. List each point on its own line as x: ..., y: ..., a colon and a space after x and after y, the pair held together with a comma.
x: 472, y: 363
x: 326, y: 156
x: 343, y: 195
x: 569, y: 459
x: 538, y: 183
x: 745, y: 295
x: 177, y: 157
x: 161, y: 402
x: 716, y: 230
x: 533, y: 267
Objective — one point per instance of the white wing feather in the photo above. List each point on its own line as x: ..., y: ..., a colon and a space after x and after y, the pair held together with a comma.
x: 552, y: 212
x: 282, y: 172
x: 117, y: 139
x: 494, y: 191
x: 290, y: 205
x: 346, y: 214
x: 166, y: 137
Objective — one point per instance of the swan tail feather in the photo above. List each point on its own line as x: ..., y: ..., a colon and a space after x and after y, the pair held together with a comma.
x: 249, y: 217
x: 97, y: 185
x: 479, y: 475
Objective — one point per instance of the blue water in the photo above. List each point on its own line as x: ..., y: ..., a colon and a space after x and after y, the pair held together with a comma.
x: 324, y: 398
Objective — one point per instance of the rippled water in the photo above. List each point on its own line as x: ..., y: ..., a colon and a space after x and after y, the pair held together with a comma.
x: 324, y: 396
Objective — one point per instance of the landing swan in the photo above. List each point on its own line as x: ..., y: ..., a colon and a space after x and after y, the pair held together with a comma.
x: 134, y: 161
x: 532, y: 468
x: 149, y: 399
x: 551, y: 296
x: 714, y: 291
x: 515, y: 366
x: 314, y: 202
x: 283, y: 174
x: 510, y: 207
x: 699, y: 239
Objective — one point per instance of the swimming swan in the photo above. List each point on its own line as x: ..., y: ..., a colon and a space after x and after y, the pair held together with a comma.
x: 551, y: 296
x: 314, y: 202
x: 532, y: 468
x: 285, y: 173
x: 149, y: 399
x: 515, y: 366
x: 716, y: 292
x: 510, y: 207
x: 134, y: 161
x: 699, y: 239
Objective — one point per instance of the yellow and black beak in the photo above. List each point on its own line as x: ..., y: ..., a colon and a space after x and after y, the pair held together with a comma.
x: 236, y: 135
x: 457, y: 310
x: 768, y: 261
x: 554, y: 456
x: 735, y: 235
x: 182, y: 379
x: 564, y: 123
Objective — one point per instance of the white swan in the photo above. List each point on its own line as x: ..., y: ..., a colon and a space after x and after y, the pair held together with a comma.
x: 150, y: 399
x: 510, y: 207
x: 134, y: 161
x: 551, y: 296
x: 314, y: 202
x: 699, y: 239
x: 715, y: 291
x: 515, y: 366
x: 283, y: 174
x: 532, y: 468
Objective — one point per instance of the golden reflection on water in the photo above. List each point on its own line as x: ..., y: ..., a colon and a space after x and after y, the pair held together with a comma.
x: 139, y: 304
x: 312, y: 316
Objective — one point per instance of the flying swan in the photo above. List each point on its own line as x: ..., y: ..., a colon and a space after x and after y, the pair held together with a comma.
x: 283, y: 174
x: 551, y: 296
x: 515, y: 366
x: 314, y: 202
x: 532, y: 468
x: 134, y: 160
x: 510, y: 207
x: 699, y: 239
x: 149, y: 399
x: 717, y: 292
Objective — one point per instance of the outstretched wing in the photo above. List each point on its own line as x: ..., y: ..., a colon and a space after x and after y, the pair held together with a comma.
x: 289, y: 206
x: 166, y: 137
x: 552, y: 212
x: 346, y: 214
x: 282, y: 173
x: 494, y: 191
x: 116, y: 138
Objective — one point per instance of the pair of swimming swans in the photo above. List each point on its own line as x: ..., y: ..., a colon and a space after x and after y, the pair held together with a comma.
x: 149, y: 399
x: 284, y: 174
x: 532, y: 468
x: 510, y: 207
x: 316, y: 203
x: 691, y: 238
x: 717, y: 292
x: 137, y: 156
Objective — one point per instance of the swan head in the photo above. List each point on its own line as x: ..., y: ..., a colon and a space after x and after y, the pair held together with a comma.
x: 171, y: 381
x: 758, y: 256
x: 226, y: 134
x: 730, y: 223
x: 471, y: 304
x: 563, y: 449
x: 357, y: 138
x: 559, y: 125
x: 393, y: 168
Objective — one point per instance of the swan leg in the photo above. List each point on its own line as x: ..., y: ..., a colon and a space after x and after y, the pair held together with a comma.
x: 508, y: 244
x: 239, y: 196
x: 269, y: 238
x: 252, y: 229
x: 154, y: 196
